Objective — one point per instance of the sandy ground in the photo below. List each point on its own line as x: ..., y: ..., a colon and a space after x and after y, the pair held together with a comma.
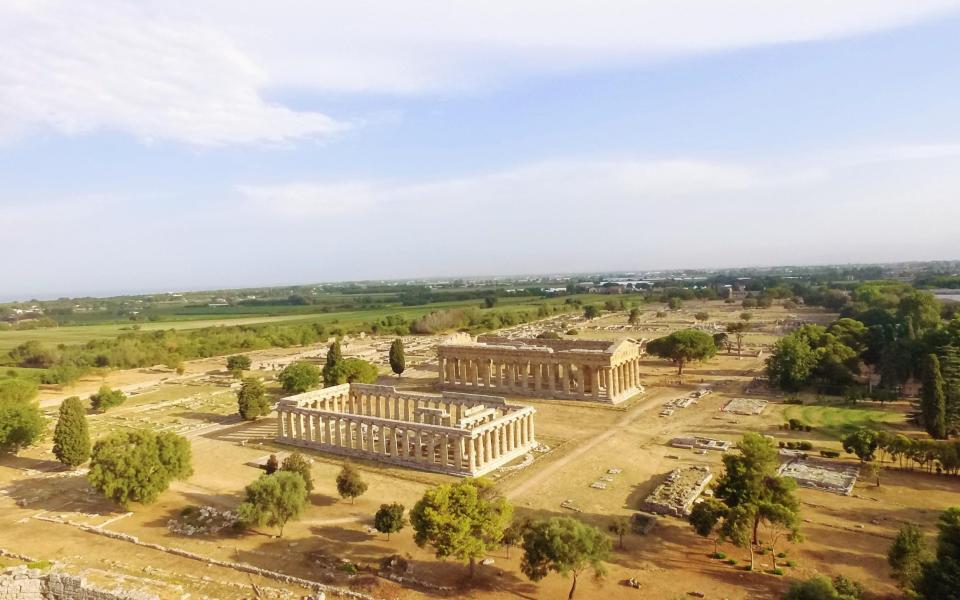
x: 846, y: 535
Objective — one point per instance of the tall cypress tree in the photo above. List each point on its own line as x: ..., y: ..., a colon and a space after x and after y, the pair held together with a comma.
x: 71, y: 438
x: 398, y: 362
x: 933, y: 400
x: 334, y: 358
x: 950, y: 370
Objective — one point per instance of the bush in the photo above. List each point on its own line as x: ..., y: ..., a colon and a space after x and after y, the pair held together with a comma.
x: 795, y: 424
x: 106, y: 399
x: 348, y: 568
x: 791, y: 563
x: 719, y: 555
x: 829, y: 454
x: 805, y: 445
x: 777, y: 571
x: 731, y: 561
x: 808, y: 428
x: 781, y: 554
x: 572, y: 332
x: 299, y: 377
x: 782, y: 444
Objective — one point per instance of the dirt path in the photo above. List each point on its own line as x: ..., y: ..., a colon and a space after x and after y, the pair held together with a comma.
x: 532, y: 483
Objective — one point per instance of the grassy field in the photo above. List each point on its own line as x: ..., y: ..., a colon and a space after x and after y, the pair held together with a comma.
x: 838, y: 420
x: 79, y: 334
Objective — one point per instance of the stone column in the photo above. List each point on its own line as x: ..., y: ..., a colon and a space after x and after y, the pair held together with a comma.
x: 472, y: 453
x: 530, y: 428
x: 442, y: 369
x: 458, y: 453
x: 486, y: 372
x: 399, y: 443
x: 566, y: 378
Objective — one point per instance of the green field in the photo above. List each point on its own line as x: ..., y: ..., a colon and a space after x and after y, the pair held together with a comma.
x: 79, y: 334
x: 838, y: 420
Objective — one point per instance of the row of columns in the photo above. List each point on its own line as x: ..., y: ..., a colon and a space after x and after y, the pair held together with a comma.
x: 388, y: 406
x: 446, y: 448
x: 548, y: 377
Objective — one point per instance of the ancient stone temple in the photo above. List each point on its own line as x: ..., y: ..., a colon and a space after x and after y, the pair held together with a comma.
x: 459, y: 434
x: 569, y: 369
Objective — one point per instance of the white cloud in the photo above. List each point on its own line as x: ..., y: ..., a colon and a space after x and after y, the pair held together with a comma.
x: 78, y: 67
x: 197, y: 72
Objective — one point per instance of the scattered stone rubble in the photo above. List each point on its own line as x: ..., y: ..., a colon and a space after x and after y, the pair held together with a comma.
x: 676, y: 495
x: 203, y: 520
x: 22, y: 583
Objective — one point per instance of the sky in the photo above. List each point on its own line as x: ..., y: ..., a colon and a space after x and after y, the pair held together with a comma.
x: 165, y: 145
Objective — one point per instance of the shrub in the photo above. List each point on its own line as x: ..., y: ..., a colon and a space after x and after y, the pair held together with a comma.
x: 781, y: 554
x: 808, y: 428
x: 805, y: 445
x: 829, y: 454
x: 719, y: 555
x: 782, y: 444
x: 731, y: 561
x: 777, y: 571
x: 348, y: 568
x: 795, y: 424
x: 791, y: 563
x: 572, y: 332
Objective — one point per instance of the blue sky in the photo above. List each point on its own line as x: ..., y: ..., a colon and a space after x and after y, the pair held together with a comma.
x: 161, y: 146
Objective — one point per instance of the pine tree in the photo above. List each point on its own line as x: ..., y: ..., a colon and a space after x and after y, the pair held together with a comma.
x: 71, y: 438
x: 334, y: 358
x: 933, y: 400
x: 398, y: 361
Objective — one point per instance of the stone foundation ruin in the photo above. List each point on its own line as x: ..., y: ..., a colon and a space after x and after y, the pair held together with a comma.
x: 745, y: 406
x: 676, y: 495
x: 22, y: 583
x: 458, y: 434
x: 565, y: 369
x: 823, y: 475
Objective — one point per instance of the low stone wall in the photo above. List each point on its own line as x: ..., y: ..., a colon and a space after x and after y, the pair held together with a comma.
x: 243, y: 567
x: 21, y: 583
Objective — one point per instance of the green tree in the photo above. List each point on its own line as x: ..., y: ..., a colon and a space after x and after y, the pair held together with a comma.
x: 349, y: 483
x: 819, y: 588
x: 463, y: 520
x: 297, y: 463
x: 738, y: 329
x: 619, y: 527
x: 71, y: 437
x: 862, y: 442
x: 334, y: 357
x: 683, y: 346
x: 940, y: 578
x: 252, y: 399
x: 721, y: 340
x: 746, y: 316
x: 513, y: 533
x: 591, y: 311
x: 21, y: 422
x: 273, y: 464
x: 674, y: 303
x: 907, y: 555
x: 634, y: 317
x: 566, y: 546
x: 18, y: 389
x: 273, y: 500
x: 106, y: 399
x: 705, y: 518
x: 933, y: 404
x: 389, y: 518
x: 353, y: 370
x: 489, y: 301
x: 701, y: 316
x: 237, y: 364
x: 737, y: 527
x: 299, y: 377
x: 137, y: 465
x: 781, y: 521
x: 791, y: 363
x: 750, y: 478
x: 398, y: 362
x: 920, y: 309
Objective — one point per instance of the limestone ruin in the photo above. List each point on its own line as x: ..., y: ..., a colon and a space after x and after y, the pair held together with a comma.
x: 826, y: 476
x: 565, y: 369
x: 677, y: 494
x: 454, y: 433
